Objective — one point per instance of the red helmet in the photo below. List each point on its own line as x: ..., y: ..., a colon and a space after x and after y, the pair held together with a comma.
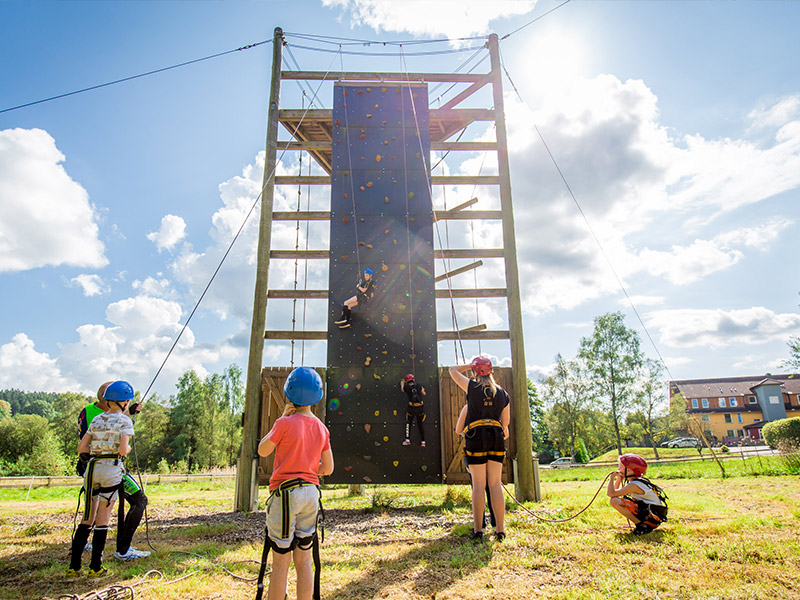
x: 409, y: 377
x: 481, y: 366
x: 635, y: 463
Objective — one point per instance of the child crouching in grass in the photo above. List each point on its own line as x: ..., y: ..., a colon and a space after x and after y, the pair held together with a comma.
x: 638, y: 499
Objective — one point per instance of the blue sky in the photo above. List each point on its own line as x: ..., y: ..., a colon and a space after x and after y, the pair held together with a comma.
x: 676, y: 124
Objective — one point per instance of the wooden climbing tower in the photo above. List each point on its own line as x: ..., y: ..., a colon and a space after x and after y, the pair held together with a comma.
x: 374, y: 146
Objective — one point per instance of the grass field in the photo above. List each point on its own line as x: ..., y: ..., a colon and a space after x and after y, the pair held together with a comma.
x: 735, y: 538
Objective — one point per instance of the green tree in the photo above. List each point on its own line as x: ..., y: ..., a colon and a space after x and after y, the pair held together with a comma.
x: 64, y: 421
x: 566, y: 397
x: 539, y: 434
x: 613, y: 358
x: 5, y: 409
x: 234, y: 405
x: 794, y: 354
x: 649, y: 400
x: 152, y: 425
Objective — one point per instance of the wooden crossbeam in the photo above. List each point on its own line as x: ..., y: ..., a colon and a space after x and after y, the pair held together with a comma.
x: 401, y: 77
x: 300, y: 254
x: 463, y: 205
x: 472, y: 293
x: 446, y: 336
x: 466, y: 93
x: 470, y: 146
x: 442, y: 215
x: 304, y: 294
x: 469, y: 253
x: 435, y: 180
x: 295, y: 335
x: 309, y: 145
x: 459, y: 270
x: 466, y: 215
x: 479, y: 327
x: 436, y: 114
x: 301, y: 215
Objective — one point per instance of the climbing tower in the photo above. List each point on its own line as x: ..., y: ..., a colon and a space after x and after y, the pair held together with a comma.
x: 375, y: 147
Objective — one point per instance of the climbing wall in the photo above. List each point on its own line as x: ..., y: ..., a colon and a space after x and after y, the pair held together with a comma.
x: 381, y: 218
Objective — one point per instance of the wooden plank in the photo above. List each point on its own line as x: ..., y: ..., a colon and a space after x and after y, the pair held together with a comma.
x: 305, y: 294
x: 463, y: 205
x: 464, y: 94
x: 302, y: 180
x: 398, y: 77
x: 469, y: 215
x: 445, y: 336
x: 458, y: 271
x: 300, y: 254
x: 466, y: 253
x: 301, y: 215
x: 479, y: 327
x: 435, y: 180
x: 468, y: 146
x: 462, y: 114
x: 471, y: 293
x: 295, y: 335
x: 307, y: 145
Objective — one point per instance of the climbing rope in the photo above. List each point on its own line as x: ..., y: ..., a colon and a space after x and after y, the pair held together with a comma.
x: 576, y: 515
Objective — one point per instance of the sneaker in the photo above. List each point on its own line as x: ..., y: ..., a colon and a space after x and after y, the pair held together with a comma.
x: 345, y: 326
x: 476, y: 536
x: 340, y: 322
x: 132, y: 554
x: 101, y: 572
x: 422, y: 445
x: 500, y: 536
x: 73, y: 574
x: 642, y: 529
x: 406, y: 442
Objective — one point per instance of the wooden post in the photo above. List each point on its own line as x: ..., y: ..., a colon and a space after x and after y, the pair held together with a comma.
x: 522, y: 415
x: 246, y: 491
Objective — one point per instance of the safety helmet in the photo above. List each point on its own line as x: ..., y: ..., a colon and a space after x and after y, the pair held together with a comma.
x: 303, y: 387
x: 102, y: 390
x: 118, y: 391
x: 368, y: 271
x: 410, y: 377
x: 635, y: 463
x: 481, y: 366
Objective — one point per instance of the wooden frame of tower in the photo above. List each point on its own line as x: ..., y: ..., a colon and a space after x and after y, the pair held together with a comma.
x: 312, y: 132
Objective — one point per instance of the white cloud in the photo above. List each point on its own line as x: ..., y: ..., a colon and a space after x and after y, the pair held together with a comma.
x: 92, y: 285
x: 717, y: 328
x: 172, y: 231
x: 452, y: 18
x: 45, y: 216
x: 22, y: 367
x: 158, y: 288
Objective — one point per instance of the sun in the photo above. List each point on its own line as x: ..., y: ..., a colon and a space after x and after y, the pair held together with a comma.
x: 554, y: 58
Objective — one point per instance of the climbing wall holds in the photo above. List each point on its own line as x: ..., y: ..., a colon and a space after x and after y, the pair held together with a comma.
x: 378, y: 158
x: 376, y: 376
x: 367, y: 361
x: 386, y: 438
x: 377, y: 413
x: 424, y: 467
x: 411, y: 195
x: 367, y: 427
x: 396, y: 462
x: 369, y: 184
x: 367, y: 479
x: 385, y: 319
x: 384, y: 268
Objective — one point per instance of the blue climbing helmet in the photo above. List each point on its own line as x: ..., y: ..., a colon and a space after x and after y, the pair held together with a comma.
x: 303, y: 387
x: 118, y: 391
x: 369, y: 271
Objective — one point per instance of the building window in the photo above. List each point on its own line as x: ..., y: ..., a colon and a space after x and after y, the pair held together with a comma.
x: 704, y: 402
x: 740, y: 433
x: 728, y: 417
x: 732, y: 402
x: 722, y: 403
x: 774, y: 400
x: 730, y: 433
x: 739, y: 418
x: 705, y: 418
x: 756, y: 420
x: 694, y: 402
x: 752, y: 400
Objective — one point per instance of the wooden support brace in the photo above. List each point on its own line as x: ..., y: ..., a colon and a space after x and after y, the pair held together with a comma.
x: 458, y: 271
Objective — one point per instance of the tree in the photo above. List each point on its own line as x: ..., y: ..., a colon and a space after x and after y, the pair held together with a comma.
x: 5, y: 409
x: 794, y: 354
x: 234, y: 404
x: 565, y: 394
x: 64, y: 421
x: 539, y: 434
x: 648, y: 399
x: 612, y: 357
x: 152, y: 425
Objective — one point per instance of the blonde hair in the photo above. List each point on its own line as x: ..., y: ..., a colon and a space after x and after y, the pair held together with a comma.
x: 487, y: 381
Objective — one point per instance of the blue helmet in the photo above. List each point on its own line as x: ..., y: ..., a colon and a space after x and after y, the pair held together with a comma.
x: 303, y: 387
x: 119, y: 391
x: 369, y: 271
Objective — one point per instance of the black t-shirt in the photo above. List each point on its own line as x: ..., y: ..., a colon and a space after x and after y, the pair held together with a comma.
x: 414, y: 391
x: 369, y: 286
x: 482, y: 405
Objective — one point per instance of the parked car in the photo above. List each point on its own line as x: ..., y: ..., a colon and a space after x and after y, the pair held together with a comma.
x: 686, y: 442
x: 668, y: 443
x: 565, y: 462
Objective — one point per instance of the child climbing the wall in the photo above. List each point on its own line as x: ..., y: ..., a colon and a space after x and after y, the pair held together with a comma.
x: 638, y: 499
x: 302, y: 447
x: 365, y: 290
x: 107, y: 440
x: 416, y: 408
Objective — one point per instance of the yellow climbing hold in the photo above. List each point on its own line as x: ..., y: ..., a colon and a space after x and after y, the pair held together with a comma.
x: 377, y: 413
x: 386, y: 438
x: 376, y: 376
x: 411, y: 195
x: 385, y: 319
x: 396, y: 462
x: 384, y: 268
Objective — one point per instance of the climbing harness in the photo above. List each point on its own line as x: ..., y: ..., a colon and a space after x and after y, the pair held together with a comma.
x: 282, y: 493
x: 484, y: 423
x: 652, y: 515
x: 89, y: 485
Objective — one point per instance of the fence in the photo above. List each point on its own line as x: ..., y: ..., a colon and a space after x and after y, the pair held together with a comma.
x: 74, y: 480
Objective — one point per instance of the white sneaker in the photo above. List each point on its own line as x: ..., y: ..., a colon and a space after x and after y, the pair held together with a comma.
x: 422, y: 444
x: 406, y: 442
x: 132, y: 554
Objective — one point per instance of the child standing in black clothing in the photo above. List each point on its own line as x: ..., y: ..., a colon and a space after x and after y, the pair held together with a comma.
x: 416, y: 407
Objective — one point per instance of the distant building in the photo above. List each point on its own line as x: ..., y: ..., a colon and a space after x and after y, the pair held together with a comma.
x: 735, y: 409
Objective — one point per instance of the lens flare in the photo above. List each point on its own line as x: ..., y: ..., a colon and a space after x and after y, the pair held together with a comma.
x: 333, y: 404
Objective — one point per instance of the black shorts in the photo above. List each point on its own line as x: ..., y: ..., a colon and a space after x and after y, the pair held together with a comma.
x: 415, y: 412
x: 483, y: 444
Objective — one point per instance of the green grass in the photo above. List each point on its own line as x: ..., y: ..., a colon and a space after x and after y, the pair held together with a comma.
x: 732, y: 538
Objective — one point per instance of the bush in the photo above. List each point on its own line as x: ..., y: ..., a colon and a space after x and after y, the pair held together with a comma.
x: 783, y: 430
x: 163, y: 467
x: 581, y: 455
x: 790, y: 455
x: 724, y: 449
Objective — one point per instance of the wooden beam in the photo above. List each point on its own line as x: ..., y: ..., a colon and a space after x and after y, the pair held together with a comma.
x: 302, y: 180
x: 468, y: 215
x: 310, y: 145
x: 302, y: 215
x: 378, y: 77
x: 464, y: 205
x: 479, y: 327
x: 467, y: 253
x: 304, y: 294
x: 295, y: 335
x: 447, y: 336
x: 300, y: 254
x: 458, y: 271
x: 463, y: 95
x: 462, y: 114
x: 471, y: 293
x: 463, y: 180
x: 470, y: 146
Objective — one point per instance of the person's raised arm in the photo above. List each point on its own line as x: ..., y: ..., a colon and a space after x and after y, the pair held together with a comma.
x: 457, y: 374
